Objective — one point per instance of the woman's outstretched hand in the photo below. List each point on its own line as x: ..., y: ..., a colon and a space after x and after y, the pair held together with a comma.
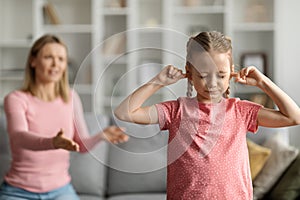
x: 61, y: 142
x: 114, y: 135
x: 170, y: 75
x: 249, y: 76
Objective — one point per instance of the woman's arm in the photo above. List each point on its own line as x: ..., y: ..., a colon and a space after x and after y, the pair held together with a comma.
x: 17, y: 126
x: 131, y: 109
x: 83, y: 138
x: 288, y: 113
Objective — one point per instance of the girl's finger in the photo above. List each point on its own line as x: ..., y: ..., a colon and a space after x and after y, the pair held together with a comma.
x: 244, y: 73
x: 123, y: 129
x: 247, y: 71
x: 178, y: 73
x: 234, y: 74
x: 171, y: 70
x: 183, y: 75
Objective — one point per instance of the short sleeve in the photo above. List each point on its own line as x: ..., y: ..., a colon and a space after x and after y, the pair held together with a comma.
x: 249, y: 113
x: 167, y: 111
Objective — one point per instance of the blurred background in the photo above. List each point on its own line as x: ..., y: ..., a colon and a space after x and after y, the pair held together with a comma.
x: 117, y: 45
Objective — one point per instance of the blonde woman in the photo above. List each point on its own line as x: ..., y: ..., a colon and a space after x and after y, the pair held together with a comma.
x: 45, y: 121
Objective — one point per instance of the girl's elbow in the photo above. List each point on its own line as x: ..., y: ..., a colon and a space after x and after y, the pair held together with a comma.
x: 118, y: 114
x: 297, y: 121
x: 297, y: 118
x: 121, y: 115
x: 294, y: 121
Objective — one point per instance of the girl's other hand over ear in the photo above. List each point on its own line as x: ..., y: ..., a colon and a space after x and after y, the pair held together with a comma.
x: 170, y: 75
x: 61, y: 142
x: 249, y: 76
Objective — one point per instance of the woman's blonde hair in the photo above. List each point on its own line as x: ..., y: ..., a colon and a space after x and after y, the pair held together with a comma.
x: 62, y: 86
x: 206, y: 42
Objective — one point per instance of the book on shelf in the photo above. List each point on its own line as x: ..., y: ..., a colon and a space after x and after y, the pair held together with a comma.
x: 116, y: 3
x: 115, y: 45
x: 50, y: 14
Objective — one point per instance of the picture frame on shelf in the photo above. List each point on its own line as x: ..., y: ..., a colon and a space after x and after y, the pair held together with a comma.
x: 257, y: 59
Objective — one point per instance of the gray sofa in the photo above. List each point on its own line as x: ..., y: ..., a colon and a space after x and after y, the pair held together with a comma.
x: 127, y: 171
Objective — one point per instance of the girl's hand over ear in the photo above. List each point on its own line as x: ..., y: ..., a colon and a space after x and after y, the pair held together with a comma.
x: 61, y: 142
x: 170, y: 75
x: 249, y: 76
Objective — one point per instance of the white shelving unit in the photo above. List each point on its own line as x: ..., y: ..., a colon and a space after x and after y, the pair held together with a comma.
x: 252, y: 27
x: 111, y: 22
x: 15, y: 39
x: 115, y: 45
x: 75, y: 28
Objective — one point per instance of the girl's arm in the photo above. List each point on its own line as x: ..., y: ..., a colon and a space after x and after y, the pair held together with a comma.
x: 131, y: 109
x: 288, y: 113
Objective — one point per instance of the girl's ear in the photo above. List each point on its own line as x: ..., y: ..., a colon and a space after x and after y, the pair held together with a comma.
x: 188, y: 72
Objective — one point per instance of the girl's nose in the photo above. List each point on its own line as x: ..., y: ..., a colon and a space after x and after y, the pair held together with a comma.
x: 212, y: 82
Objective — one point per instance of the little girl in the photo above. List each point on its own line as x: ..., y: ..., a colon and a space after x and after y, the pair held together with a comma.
x: 207, y: 150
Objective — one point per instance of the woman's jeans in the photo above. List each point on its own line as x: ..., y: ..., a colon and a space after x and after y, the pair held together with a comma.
x: 9, y: 192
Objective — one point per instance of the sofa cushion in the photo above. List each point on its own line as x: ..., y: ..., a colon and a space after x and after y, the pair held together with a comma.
x: 5, y: 160
x: 88, y: 170
x: 5, y: 157
x: 258, y: 156
x: 138, y: 165
x: 4, y: 141
x: 281, y: 157
x: 288, y: 188
x: 90, y: 197
x: 145, y: 196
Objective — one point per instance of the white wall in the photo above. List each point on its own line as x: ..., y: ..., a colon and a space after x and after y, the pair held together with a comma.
x: 287, y: 70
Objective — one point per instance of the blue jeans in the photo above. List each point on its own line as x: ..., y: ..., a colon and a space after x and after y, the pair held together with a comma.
x: 9, y: 192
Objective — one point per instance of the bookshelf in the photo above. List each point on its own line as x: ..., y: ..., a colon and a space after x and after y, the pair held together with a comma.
x: 116, y: 45
x: 253, y: 29
x: 15, y: 39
